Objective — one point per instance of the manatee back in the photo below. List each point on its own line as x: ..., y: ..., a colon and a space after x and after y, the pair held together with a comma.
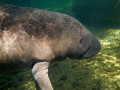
x: 37, y: 22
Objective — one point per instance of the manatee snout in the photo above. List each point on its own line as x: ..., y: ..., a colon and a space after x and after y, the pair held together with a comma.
x: 85, y: 45
x: 93, y: 49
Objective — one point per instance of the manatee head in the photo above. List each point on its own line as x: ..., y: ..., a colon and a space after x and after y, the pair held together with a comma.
x: 85, y: 45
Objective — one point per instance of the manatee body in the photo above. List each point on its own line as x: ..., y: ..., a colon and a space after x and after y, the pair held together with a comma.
x: 32, y: 38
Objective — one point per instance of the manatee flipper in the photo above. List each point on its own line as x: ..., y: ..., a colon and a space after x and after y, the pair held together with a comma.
x: 40, y: 74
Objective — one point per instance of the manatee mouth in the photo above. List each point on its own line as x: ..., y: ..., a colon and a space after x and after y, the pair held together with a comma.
x: 82, y: 56
x: 92, y: 50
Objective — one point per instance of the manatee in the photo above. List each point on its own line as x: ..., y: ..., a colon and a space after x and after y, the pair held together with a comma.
x: 33, y: 38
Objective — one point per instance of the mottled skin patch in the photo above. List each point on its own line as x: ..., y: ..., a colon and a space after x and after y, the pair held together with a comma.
x: 33, y: 37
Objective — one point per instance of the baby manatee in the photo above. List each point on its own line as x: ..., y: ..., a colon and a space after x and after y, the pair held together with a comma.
x: 32, y: 38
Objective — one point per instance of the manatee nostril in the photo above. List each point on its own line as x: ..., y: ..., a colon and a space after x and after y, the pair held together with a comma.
x: 81, y: 41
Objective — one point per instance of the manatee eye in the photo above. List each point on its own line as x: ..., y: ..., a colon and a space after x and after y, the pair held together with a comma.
x: 81, y: 41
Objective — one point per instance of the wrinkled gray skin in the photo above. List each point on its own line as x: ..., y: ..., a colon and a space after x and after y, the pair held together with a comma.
x: 32, y: 38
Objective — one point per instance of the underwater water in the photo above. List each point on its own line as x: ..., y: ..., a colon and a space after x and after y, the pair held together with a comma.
x: 102, y: 72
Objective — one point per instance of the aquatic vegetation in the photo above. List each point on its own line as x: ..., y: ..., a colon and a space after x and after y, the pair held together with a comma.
x: 21, y: 80
x: 108, y: 64
x: 101, y: 72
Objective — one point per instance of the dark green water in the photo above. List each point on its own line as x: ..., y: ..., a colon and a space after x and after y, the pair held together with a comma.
x: 102, y: 72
